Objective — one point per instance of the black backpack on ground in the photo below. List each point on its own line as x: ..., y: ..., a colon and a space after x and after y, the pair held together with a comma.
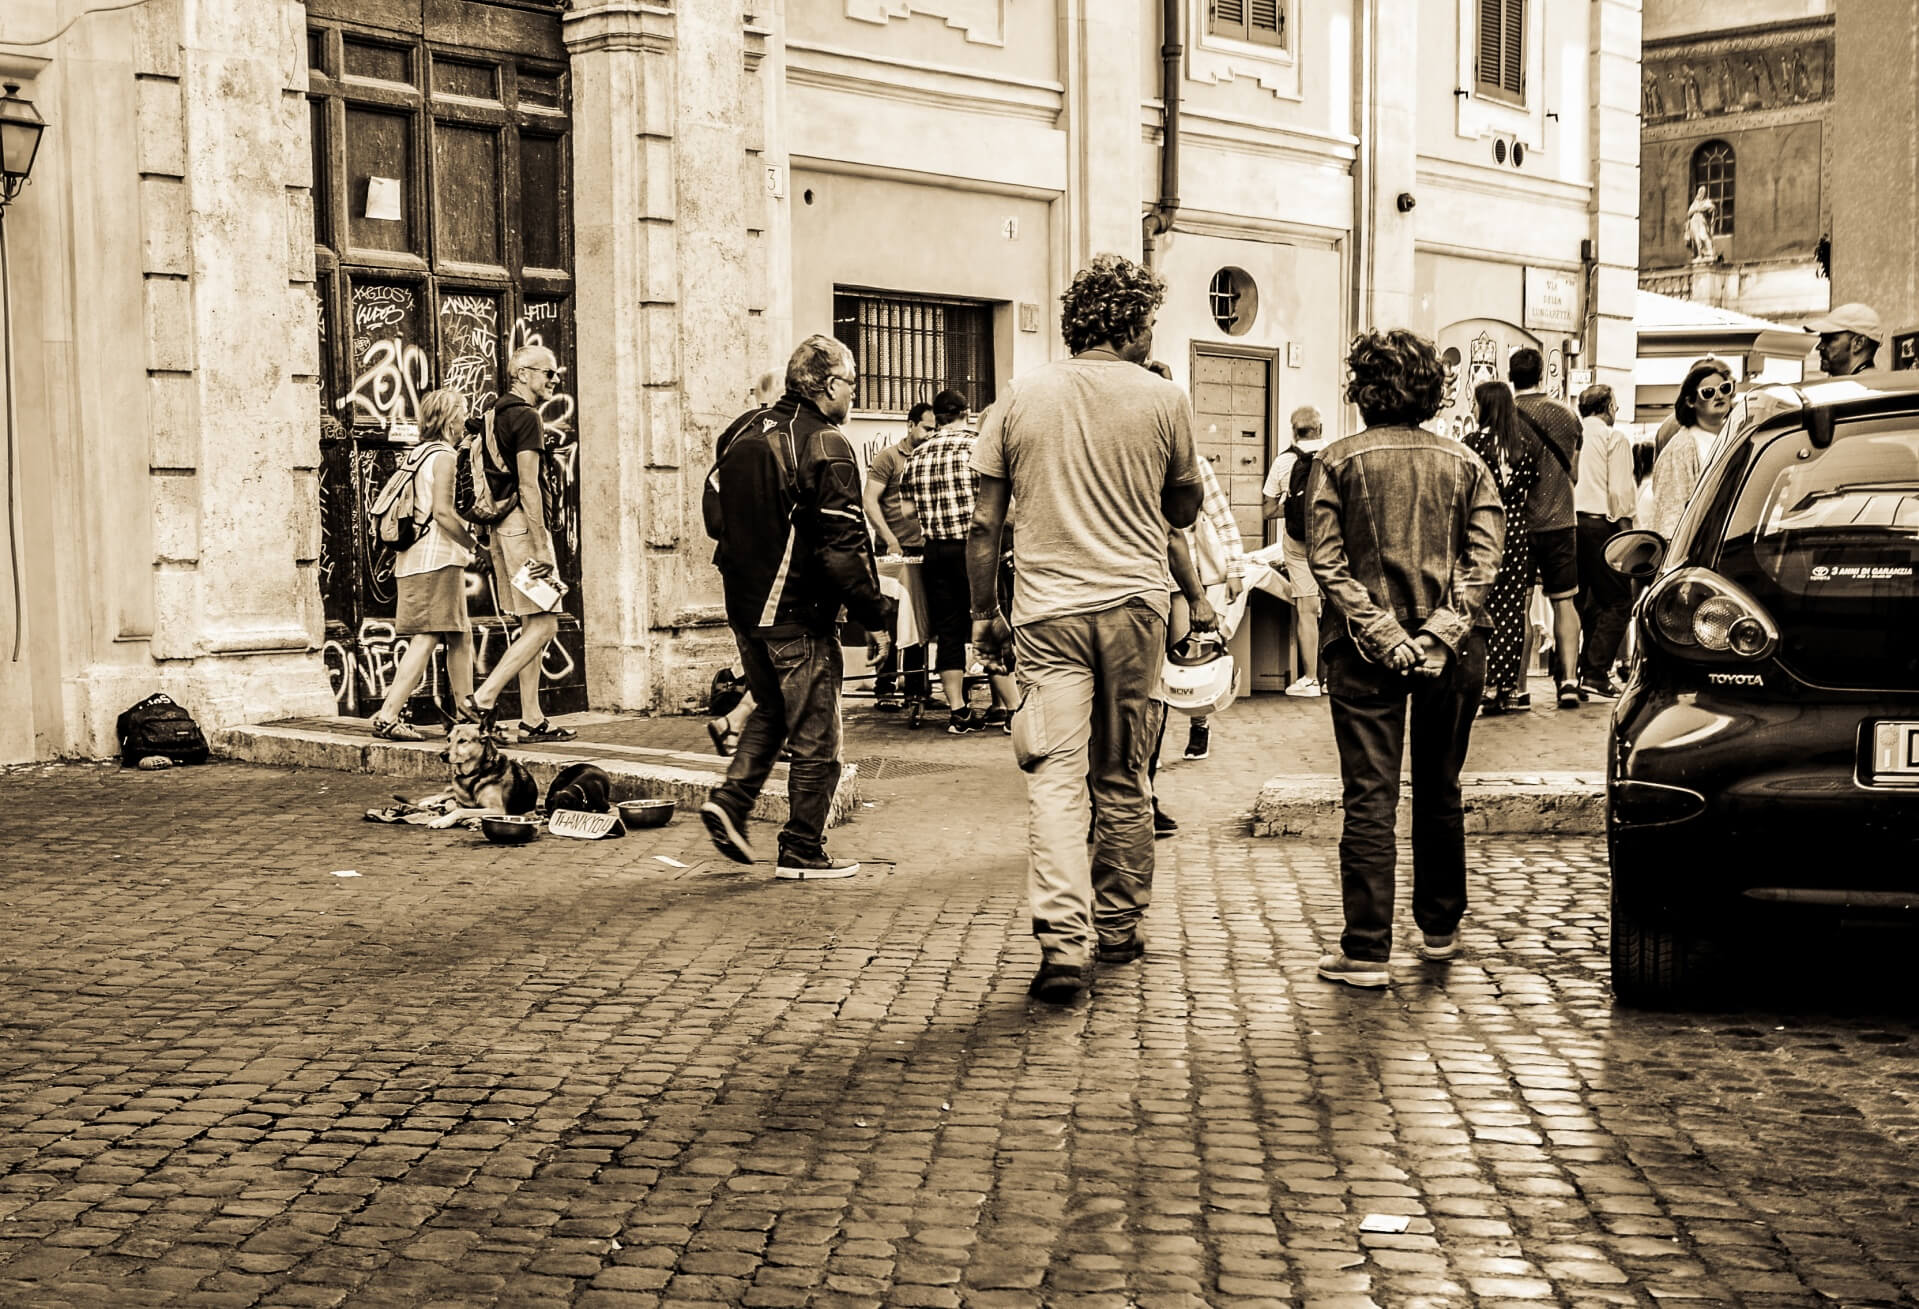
x: 1295, y: 508
x: 158, y: 726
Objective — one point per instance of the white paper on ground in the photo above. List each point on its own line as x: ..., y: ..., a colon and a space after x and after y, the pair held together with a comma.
x: 665, y: 859
x: 1384, y: 1223
x: 344, y: 872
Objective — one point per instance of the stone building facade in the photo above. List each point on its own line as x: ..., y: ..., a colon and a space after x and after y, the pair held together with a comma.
x: 261, y: 228
x: 1738, y: 98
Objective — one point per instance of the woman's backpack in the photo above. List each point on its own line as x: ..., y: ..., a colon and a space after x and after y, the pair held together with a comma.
x: 396, y: 509
x: 479, y: 462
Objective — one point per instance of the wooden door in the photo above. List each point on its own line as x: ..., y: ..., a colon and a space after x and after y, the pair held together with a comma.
x: 442, y: 235
x: 1233, y: 403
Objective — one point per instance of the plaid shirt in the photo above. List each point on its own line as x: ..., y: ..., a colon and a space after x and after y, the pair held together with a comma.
x: 941, y: 483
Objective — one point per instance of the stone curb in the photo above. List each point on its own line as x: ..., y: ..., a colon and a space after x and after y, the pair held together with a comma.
x: 1497, y: 804
x: 637, y: 773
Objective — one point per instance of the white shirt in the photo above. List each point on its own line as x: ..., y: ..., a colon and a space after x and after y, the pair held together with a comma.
x: 1605, y: 485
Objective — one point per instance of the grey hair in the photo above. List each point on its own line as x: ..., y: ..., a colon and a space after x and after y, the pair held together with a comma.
x: 530, y: 356
x: 1305, y: 411
x: 813, y: 363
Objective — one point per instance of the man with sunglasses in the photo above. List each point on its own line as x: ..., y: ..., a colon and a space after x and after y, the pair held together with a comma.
x: 522, y: 538
x: 783, y: 504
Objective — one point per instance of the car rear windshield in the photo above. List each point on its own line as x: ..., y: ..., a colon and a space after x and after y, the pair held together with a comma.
x: 1828, y: 541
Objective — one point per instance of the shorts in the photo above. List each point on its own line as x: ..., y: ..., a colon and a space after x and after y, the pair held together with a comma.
x: 510, y: 543
x: 432, y: 603
x: 1556, y: 556
x: 1300, y: 574
x: 949, y: 602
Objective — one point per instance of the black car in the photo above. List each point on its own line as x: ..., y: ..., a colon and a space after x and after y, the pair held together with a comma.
x: 1765, y: 752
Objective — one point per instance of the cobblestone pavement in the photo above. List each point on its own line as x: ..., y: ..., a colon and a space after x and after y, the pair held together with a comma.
x: 582, y: 1074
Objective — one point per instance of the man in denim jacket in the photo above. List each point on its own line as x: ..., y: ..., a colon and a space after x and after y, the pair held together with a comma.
x: 1404, y: 533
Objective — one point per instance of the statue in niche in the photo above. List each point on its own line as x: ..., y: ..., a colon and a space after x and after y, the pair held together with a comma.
x: 1654, y: 103
x: 1699, y: 228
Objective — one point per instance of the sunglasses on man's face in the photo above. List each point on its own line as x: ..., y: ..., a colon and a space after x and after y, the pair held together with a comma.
x: 545, y: 372
x: 1715, y: 391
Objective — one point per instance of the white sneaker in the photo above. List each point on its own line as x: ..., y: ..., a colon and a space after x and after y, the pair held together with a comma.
x: 1305, y: 688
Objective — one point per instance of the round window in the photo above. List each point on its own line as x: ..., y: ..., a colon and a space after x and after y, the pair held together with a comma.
x: 1234, y: 301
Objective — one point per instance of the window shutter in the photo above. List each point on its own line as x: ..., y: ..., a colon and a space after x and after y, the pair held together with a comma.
x: 1486, y: 65
x: 1228, y: 18
x: 1266, y: 22
x: 1514, y: 77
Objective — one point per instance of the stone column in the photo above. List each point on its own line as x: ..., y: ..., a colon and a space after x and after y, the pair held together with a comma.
x: 1612, y: 343
x: 1875, y: 124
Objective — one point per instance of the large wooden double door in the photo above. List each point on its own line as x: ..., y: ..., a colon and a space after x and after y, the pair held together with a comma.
x: 442, y: 231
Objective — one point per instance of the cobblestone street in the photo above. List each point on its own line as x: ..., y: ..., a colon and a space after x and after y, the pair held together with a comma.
x: 585, y: 1074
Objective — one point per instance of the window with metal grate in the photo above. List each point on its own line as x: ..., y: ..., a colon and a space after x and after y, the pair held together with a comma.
x: 908, y: 348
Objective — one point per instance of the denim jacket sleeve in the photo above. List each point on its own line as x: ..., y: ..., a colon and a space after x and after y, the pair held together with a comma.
x: 1478, y: 561
x: 1374, y: 629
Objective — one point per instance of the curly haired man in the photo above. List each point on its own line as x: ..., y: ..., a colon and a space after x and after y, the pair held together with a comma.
x: 1099, y: 453
x: 1404, y: 531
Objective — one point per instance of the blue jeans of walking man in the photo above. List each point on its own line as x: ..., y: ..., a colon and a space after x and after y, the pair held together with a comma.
x: 795, y: 682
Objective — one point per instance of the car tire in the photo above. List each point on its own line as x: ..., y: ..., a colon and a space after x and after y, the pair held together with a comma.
x: 1656, y: 963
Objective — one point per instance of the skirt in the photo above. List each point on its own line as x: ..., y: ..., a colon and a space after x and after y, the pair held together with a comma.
x: 432, y: 602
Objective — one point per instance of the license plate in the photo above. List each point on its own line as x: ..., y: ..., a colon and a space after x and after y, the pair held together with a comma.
x: 1895, y: 750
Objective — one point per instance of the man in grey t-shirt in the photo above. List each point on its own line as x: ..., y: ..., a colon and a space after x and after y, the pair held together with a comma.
x: 1099, y: 454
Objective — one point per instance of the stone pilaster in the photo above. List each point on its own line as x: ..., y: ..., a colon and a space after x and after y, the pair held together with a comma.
x: 225, y: 265
x: 1101, y: 52
x: 1612, y: 343
x: 1389, y: 136
x: 1875, y: 122
x: 669, y: 209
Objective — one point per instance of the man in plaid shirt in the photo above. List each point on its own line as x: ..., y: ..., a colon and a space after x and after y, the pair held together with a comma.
x: 941, y: 483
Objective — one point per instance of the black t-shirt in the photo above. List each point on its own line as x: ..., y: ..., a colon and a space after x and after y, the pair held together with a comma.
x: 516, y: 427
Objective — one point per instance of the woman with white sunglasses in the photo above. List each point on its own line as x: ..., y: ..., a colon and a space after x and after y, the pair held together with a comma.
x: 1705, y: 399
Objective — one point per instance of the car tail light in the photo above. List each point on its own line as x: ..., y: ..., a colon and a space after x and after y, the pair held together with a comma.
x: 1700, y: 615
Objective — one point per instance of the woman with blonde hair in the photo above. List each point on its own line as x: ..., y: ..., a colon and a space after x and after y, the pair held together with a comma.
x: 431, y: 573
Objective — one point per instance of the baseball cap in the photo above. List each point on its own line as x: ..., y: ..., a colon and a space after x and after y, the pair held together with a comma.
x: 1853, y: 317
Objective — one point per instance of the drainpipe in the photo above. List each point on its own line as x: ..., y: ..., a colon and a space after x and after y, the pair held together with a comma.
x: 1159, y: 220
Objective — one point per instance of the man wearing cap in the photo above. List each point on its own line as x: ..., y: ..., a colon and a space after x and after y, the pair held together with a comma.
x: 1848, y: 339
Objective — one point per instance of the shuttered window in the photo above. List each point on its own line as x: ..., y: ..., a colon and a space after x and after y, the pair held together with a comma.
x: 1262, y: 22
x: 1500, y: 64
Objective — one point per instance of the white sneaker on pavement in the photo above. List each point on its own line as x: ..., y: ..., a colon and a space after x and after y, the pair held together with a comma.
x: 1305, y: 688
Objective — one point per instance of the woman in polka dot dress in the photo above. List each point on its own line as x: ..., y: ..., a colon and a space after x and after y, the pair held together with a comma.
x: 1512, y: 453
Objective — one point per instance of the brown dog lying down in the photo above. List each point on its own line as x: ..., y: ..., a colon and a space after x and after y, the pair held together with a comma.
x: 485, y: 781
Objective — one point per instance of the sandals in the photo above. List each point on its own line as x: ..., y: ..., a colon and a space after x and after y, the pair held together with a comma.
x: 396, y: 731
x: 470, y: 710
x: 544, y: 730
x: 725, y: 740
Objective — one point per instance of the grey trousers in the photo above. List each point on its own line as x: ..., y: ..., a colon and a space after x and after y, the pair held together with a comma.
x: 1086, y: 718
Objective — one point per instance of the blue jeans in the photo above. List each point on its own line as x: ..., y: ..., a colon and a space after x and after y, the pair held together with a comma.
x: 795, y: 682
x: 1370, y: 704
x: 1086, y: 723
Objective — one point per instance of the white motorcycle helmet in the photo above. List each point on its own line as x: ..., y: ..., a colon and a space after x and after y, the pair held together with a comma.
x: 1199, y: 677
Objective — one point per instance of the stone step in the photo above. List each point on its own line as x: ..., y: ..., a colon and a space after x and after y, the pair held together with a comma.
x: 348, y: 745
x: 1497, y: 804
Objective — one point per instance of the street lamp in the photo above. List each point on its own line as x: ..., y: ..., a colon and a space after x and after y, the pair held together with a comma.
x: 20, y: 129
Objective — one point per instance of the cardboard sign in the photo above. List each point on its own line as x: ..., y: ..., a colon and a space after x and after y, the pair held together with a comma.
x: 583, y: 826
